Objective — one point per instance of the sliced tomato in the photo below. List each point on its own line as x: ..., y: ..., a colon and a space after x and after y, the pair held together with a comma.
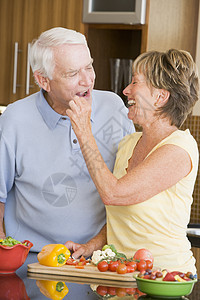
x: 81, y: 263
x: 71, y: 261
x: 82, y: 258
x: 79, y: 266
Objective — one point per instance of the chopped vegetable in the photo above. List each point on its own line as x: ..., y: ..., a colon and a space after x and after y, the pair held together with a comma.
x: 53, y: 255
x: 9, y: 241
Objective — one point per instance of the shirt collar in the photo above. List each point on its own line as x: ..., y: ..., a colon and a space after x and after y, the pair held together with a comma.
x: 49, y: 115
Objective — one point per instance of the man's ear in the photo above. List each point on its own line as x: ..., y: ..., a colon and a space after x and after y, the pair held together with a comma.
x: 42, y: 81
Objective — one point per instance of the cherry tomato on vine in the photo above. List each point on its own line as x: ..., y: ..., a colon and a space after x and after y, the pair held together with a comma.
x: 113, y: 266
x: 130, y: 269
x: 132, y: 264
x: 149, y: 264
x: 141, y: 265
x: 102, y: 266
x: 122, y: 269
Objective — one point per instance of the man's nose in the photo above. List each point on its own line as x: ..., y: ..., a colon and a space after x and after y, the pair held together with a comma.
x: 85, y: 78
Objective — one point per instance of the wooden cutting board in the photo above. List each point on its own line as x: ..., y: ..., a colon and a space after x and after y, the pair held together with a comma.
x: 89, y: 271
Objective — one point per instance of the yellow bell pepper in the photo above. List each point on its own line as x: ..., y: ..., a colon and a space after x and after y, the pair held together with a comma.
x: 53, y: 255
x: 55, y: 290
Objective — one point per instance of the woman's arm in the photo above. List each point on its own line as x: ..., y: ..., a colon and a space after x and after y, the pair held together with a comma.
x: 161, y: 170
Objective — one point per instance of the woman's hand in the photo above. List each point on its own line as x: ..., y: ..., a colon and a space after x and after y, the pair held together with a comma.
x: 79, y: 114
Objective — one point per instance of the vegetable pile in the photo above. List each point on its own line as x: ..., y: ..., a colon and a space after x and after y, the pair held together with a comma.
x: 10, y: 242
x: 165, y: 275
x: 110, y: 260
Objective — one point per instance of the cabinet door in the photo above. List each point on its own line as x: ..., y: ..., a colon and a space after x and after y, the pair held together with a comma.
x: 12, y: 30
x: 20, y: 22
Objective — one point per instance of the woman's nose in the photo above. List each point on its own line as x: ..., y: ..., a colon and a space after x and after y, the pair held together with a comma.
x: 126, y: 91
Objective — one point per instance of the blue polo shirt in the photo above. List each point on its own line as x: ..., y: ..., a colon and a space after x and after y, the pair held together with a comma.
x: 44, y: 182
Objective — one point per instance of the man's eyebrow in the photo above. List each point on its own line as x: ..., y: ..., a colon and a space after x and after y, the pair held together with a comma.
x: 76, y: 70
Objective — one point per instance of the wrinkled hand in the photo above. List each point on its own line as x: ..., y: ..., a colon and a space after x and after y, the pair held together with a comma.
x: 78, y: 250
x: 79, y: 114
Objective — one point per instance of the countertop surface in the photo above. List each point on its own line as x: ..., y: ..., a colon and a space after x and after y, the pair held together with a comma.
x: 27, y: 286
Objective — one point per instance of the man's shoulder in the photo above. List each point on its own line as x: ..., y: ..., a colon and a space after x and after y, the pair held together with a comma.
x: 25, y: 102
x: 19, y: 110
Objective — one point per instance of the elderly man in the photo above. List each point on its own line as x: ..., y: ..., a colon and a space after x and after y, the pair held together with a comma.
x: 46, y: 193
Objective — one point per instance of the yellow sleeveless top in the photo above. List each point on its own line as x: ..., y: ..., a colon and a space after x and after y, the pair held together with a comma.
x: 158, y: 224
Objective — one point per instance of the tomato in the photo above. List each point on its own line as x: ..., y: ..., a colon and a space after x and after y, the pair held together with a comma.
x: 133, y: 264
x: 102, y: 266
x: 102, y: 290
x: 130, y: 269
x: 144, y: 254
x: 149, y: 264
x: 81, y: 263
x: 141, y: 266
x: 121, y: 292
x: 130, y: 291
x: 111, y: 290
x: 71, y: 261
x: 113, y: 266
x: 79, y: 266
x: 122, y: 269
x: 82, y: 258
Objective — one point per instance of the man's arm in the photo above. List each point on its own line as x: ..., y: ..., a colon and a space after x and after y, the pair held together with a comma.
x: 2, y: 233
x: 87, y: 249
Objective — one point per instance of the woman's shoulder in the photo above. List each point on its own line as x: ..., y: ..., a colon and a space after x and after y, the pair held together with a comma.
x: 181, y: 137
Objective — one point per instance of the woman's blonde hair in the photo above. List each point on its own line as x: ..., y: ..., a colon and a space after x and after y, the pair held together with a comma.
x: 176, y: 72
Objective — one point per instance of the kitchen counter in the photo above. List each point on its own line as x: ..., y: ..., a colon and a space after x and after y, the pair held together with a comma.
x: 25, y: 286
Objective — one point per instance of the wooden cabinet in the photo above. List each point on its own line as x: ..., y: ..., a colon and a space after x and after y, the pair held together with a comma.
x: 169, y: 24
x: 108, y: 41
x: 20, y: 22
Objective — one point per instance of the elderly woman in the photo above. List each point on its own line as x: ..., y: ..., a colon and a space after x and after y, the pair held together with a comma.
x: 148, y: 197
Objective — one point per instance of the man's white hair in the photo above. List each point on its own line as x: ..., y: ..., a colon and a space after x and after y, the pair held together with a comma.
x: 41, y: 50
